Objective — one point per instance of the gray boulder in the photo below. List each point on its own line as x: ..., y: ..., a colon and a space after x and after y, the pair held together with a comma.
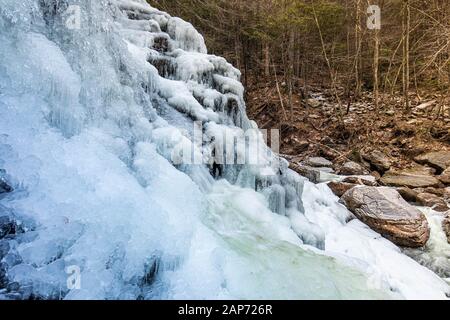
x: 384, y: 210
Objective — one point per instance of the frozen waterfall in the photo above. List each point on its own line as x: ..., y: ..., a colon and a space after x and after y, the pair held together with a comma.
x: 96, y: 99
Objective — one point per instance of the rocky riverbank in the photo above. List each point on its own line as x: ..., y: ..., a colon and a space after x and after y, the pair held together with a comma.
x: 388, y: 199
x: 393, y: 191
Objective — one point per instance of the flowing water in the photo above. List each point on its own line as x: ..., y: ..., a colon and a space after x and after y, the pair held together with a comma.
x: 97, y: 101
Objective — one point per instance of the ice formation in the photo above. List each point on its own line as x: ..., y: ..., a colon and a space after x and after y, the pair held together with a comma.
x: 92, y: 109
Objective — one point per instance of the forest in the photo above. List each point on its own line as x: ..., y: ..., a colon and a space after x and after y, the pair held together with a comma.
x: 329, y: 42
x: 354, y: 86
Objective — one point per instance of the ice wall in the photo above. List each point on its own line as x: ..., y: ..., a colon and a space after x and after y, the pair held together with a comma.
x: 96, y: 99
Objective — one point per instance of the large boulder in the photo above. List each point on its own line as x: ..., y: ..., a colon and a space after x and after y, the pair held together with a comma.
x: 378, y: 160
x: 416, y: 177
x: 439, y: 159
x: 351, y: 168
x: 384, y: 210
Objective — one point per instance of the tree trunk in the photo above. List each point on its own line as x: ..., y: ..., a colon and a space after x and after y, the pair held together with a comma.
x: 406, y: 30
x: 357, y: 48
x: 376, y: 58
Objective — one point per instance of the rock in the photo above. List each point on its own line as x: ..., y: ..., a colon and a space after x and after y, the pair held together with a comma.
x: 315, y: 175
x: 339, y: 188
x: 312, y: 174
x: 352, y: 168
x: 4, y: 186
x: 411, y: 178
x: 301, y: 146
x: 325, y: 141
x: 325, y: 169
x: 433, y: 201
x: 327, y: 177
x: 445, y: 176
x: 446, y: 227
x: 161, y: 44
x: 376, y: 175
x: 384, y: 210
x: 408, y: 194
x: 439, y: 160
x: 313, y: 103
x: 361, y: 180
x: 378, y: 159
x: 436, y: 191
x: 425, y: 105
x: 318, y: 162
x: 328, y: 153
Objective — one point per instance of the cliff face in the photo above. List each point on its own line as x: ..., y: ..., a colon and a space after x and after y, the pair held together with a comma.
x: 115, y: 130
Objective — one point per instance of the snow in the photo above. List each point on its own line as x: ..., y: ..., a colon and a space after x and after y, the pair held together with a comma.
x: 185, y: 35
x: 94, y: 141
